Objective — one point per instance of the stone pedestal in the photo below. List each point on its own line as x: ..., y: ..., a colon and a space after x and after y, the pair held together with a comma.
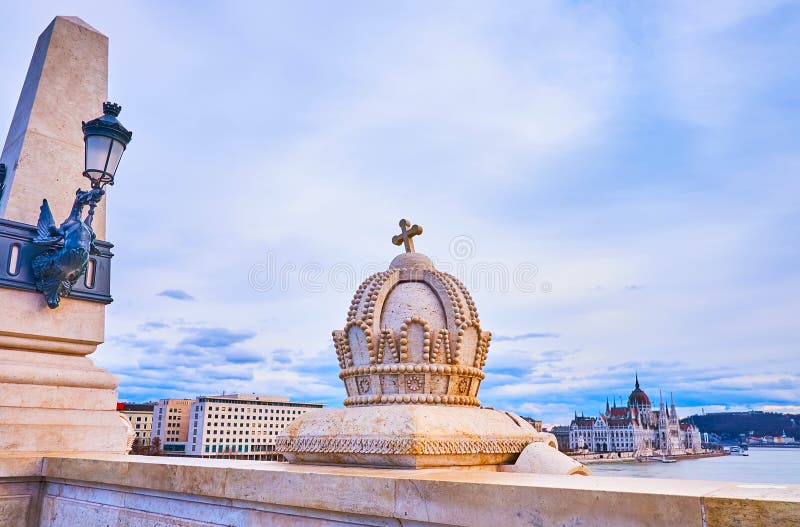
x: 53, y: 399
x: 408, y: 436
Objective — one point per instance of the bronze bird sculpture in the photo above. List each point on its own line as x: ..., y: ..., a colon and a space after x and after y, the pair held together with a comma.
x: 60, y: 266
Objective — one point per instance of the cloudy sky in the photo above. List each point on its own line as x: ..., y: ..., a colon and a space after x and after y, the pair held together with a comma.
x: 616, y: 183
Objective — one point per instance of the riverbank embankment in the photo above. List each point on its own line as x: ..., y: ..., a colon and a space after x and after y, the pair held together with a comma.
x: 628, y: 457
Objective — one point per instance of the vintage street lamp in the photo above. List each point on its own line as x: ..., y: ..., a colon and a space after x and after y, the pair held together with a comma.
x: 105, y: 140
x: 57, y: 269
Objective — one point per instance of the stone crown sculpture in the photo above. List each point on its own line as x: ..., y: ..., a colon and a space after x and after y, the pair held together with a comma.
x: 412, y: 353
x: 412, y: 336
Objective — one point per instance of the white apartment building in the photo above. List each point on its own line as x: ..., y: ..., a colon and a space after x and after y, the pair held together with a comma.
x: 240, y: 425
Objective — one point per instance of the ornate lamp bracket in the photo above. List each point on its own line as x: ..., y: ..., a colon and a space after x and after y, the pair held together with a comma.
x: 68, y: 247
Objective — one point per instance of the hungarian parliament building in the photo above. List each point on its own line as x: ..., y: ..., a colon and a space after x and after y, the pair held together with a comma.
x: 635, y: 428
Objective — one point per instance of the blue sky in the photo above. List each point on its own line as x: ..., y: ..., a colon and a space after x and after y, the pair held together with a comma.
x: 616, y: 183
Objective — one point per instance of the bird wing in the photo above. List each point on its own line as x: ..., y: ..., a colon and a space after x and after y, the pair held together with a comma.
x: 45, y: 226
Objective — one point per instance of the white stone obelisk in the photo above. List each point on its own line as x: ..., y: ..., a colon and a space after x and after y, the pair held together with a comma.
x: 53, y: 399
x: 67, y: 83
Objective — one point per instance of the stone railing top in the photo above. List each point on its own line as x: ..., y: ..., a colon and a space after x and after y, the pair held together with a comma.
x: 452, y: 497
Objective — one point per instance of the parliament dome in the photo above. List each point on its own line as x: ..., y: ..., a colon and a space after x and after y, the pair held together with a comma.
x: 638, y: 398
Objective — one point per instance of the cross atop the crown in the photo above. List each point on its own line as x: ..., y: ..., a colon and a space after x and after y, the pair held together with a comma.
x: 408, y: 231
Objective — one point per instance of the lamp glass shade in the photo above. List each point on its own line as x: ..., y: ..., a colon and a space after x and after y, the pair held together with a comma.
x: 113, y: 157
x: 98, y: 153
x: 105, y: 140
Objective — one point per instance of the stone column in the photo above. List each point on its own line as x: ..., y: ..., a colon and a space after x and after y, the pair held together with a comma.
x: 53, y: 399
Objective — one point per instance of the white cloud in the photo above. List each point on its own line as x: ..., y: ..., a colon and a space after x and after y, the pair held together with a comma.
x: 709, y: 61
x: 646, y: 146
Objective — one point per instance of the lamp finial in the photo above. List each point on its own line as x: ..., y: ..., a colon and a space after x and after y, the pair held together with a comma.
x: 111, y: 108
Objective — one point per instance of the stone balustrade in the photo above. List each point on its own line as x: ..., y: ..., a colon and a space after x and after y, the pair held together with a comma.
x: 148, y: 491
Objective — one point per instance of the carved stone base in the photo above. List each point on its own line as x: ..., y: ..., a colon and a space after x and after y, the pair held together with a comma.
x: 411, y: 436
x: 53, y: 399
x: 51, y: 403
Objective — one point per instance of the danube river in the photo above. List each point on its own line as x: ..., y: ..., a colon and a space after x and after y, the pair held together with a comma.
x: 763, y: 465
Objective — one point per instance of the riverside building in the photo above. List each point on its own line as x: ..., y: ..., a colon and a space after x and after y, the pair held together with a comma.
x: 171, y: 424
x: 635, y: 428
x: 141, y: 418
x: 241, y: 426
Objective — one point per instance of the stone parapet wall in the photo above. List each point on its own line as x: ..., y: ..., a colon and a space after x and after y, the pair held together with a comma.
x: 140, y: 491
x: 21, y: 483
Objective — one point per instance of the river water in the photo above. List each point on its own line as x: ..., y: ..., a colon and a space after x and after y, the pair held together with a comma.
x: 763, y: 465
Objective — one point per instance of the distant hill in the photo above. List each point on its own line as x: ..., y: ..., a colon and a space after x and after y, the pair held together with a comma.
x: 731, y: 424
